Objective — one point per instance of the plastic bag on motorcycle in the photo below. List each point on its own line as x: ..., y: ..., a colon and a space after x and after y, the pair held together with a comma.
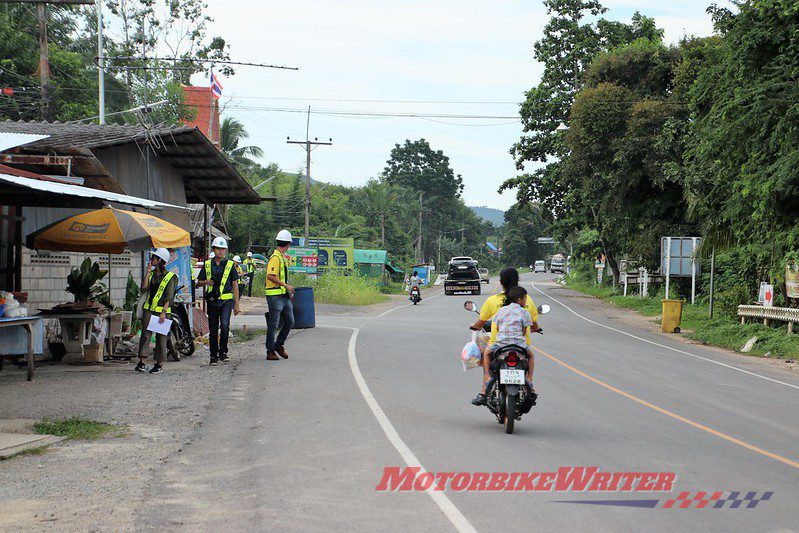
x: 471, y: 356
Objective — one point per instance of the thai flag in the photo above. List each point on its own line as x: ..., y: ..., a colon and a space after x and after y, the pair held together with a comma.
x: 216, y: 87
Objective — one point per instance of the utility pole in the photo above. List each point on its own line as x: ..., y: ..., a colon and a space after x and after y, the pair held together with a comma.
x: 44, y: 60
x: 419, y: 253
x: 309, y: 146
x: 100, y: 63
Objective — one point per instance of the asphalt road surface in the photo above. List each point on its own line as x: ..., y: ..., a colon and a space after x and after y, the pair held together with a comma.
x: 302, y: 444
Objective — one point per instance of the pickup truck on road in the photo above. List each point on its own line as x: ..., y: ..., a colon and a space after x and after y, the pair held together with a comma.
x: 462, y: 276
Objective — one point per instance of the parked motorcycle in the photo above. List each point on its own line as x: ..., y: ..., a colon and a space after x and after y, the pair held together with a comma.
x: 507, y: 396
x: 416, y: 295
x: 180, y: 340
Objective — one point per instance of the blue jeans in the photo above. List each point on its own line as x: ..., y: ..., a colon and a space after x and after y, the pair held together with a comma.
x: 280, y: 307
x: 219, y: 318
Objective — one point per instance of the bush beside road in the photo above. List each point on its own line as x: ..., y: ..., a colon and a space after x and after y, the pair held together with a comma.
x: 330, y: 288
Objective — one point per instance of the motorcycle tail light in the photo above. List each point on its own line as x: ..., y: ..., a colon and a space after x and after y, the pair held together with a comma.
x: 512, y: 359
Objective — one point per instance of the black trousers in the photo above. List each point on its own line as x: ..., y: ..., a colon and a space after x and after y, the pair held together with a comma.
x: 219, y: 325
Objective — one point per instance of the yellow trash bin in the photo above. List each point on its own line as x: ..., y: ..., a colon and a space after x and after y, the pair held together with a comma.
x: 672, y: 316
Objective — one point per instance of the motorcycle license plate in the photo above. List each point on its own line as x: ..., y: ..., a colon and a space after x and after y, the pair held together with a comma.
x: 509, y: 376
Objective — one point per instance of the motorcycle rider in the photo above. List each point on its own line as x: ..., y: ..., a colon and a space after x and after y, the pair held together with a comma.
x: 416, y: 281
x: 508, y: 278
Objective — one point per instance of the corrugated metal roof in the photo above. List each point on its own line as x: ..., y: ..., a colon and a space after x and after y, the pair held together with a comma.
x: 48, y: 187
x: 208, y: 176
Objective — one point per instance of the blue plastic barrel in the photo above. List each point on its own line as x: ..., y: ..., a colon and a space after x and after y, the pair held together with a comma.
x: 304, y: 312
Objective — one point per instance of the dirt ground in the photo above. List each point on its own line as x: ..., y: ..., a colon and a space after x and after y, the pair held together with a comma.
x: 105, y: 479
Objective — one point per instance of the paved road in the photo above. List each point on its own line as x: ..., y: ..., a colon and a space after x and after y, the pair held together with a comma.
x: 301, y: 444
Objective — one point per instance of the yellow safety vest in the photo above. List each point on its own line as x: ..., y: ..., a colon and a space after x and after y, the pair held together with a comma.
x: 250, y: 263
x: 280, y: 289
x: 152, y: 305
x: 240, y: 271
x: 225, y: 276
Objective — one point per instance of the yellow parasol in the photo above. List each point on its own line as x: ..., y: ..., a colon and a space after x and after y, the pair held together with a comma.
x: 108, y: 230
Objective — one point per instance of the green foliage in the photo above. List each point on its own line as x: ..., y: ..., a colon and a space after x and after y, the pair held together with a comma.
x: 132, y: 293
x: 82, y: 281
x: 332, y: 287
x: 724, y: 330
x: 73, y: 428
x: 231, y: 135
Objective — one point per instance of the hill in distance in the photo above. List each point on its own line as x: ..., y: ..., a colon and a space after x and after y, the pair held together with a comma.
x: 495, y: 216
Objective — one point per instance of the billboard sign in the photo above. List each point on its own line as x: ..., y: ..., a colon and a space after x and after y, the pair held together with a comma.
x: 680, y: 254
x: 792, y: 280
x: 303, y: 259
x: 180, y: 264
x: 333, y: 252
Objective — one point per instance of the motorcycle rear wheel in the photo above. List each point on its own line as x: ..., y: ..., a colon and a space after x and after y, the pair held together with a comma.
x: 172, y: 346
x: 510, y: 411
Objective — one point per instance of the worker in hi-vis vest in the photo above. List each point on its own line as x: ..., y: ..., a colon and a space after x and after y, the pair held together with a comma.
x: 249, y: 263
x: 221, y: 281
x: 278, y: 299
x: 159, y: 287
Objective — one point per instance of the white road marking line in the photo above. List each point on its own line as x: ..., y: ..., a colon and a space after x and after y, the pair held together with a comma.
x: 663, y: 345
x: 444, y: 503
x: 406, y: 305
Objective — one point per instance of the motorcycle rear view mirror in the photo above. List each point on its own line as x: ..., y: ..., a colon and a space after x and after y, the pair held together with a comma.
x: 543, y: 309
x: 470, y: 306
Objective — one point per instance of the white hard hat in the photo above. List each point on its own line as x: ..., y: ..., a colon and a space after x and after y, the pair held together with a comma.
x: 249, y: 254
x: 237, y: 259
x: 163, y: 253
x: 284, y: 235
x: 219, y: 242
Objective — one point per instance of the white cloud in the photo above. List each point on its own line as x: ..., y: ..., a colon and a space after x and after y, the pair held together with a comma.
x: 413, y: 50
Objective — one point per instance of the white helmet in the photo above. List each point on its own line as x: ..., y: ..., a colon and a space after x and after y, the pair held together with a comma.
x: 236, y: 259
x: 219, y: 242
x: 284, y: 235
x: 162, y: 253
x: 249, y: 254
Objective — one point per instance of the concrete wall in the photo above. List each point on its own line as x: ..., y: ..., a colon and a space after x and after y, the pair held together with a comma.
x: 44, y: 276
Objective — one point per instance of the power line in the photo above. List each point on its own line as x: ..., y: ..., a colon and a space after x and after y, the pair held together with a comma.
x: 193, y: 60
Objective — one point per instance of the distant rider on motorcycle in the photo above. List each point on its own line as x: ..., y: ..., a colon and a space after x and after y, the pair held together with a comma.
x: 508, y: 278
x: 416, y: 281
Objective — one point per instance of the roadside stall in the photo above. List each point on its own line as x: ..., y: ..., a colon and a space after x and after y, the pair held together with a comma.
x: 85, y: 323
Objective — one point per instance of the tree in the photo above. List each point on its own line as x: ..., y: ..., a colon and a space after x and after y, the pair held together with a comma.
x: 380, y: 200
x: 231, y: 134
x: 418, y: 167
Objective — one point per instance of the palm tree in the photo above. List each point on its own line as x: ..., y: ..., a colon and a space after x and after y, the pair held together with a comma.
x: 381, y: 200
x: 231, y: 133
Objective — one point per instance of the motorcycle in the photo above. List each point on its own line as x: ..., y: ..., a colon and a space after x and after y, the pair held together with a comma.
x: 416, y: 295
x: 180, y: 340
x: 507, y: 395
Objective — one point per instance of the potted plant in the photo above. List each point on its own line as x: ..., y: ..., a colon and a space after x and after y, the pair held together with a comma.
x: 82, y: 282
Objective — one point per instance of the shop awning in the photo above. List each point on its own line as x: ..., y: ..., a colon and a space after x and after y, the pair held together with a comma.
x: 52, y: 192
x: 394, y: 270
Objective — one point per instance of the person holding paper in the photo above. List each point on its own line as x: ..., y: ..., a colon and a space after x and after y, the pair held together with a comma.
x: 159, y: 287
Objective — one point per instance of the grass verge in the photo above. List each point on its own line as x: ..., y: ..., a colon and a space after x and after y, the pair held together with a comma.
x: 726, y: 332
x: 331, y: 288
x: 244, y: 335
x: 74, y: 428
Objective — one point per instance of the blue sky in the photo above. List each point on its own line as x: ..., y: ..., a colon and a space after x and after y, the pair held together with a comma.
x: 475, y: 55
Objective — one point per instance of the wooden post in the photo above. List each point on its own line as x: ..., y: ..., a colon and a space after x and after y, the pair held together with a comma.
x: 790, y: 327
x: 44, y: 63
